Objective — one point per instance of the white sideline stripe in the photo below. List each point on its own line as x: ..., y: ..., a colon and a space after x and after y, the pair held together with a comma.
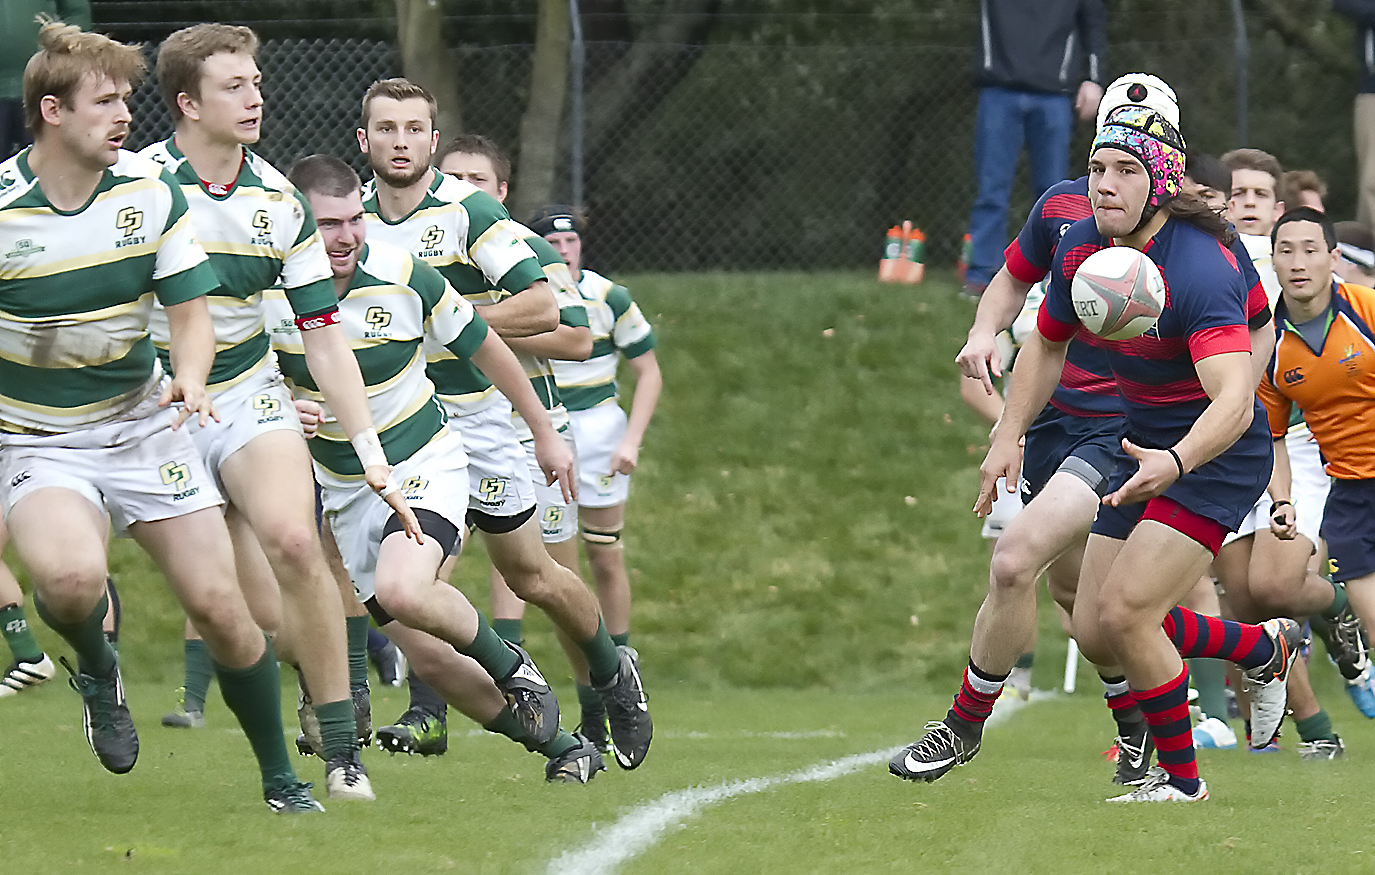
x: 639, y: 830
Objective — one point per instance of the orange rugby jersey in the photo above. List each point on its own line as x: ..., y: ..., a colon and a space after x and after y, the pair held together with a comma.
x: 1335, y: 388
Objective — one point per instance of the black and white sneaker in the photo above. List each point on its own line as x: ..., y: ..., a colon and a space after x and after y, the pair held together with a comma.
x: 345, y: 778
x: 362, y: 713
x: 627, y: 711
x: 1134, y: 751
x: 593, y: 726
x: 22, y: 675
x: 935, y: 753
x: 1268, y: 683
x: 105, y: 717
x: 1345, y: 641
x: 577, y: 765
x: 391, y: 665
x: 293, y: 798
x: 531, y: 699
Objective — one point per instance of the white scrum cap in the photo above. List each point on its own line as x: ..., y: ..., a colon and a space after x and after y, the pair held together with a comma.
x: 1140, y: 89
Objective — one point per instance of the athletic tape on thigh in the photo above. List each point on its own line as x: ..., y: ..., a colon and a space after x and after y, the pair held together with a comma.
x: 601, y: 537
x: 379, y: 613
x: 1092, y: 477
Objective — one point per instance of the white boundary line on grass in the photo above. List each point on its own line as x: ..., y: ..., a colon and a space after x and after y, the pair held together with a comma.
x: 639, y: 830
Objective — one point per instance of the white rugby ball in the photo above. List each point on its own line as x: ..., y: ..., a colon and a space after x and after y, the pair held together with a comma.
x: 1118, y: 293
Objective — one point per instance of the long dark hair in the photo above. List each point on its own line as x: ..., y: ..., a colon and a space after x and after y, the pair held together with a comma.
x: 1194, y: 210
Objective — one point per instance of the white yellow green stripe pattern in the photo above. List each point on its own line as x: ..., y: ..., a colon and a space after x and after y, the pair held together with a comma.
x: 77, y: 291
x: 394, y: 304
x: 467, y: 235
x: 618, y: 329
x: 258, y: 235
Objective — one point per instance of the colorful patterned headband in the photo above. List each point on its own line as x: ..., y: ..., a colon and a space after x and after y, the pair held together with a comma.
x: 1154, y: 142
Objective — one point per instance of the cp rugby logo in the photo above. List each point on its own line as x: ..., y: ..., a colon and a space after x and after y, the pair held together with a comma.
x: 430, y: 240
x: 262, y: 225
x: 378, y: 319
x: 178, y: 476
x: 129, y: 220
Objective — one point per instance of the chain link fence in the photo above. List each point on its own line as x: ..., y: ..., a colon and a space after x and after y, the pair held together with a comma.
x: 739, y: 156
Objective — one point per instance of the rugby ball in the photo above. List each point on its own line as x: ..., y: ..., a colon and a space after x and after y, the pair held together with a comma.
x: 1118, y: 293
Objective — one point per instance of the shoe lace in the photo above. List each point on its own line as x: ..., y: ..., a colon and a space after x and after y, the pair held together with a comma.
x: 939, y: 741
x: 98, y: 694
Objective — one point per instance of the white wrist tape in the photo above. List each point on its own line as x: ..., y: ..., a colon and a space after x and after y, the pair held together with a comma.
x: 368, y: 446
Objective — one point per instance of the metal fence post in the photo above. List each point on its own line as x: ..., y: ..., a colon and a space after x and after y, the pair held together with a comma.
x: 1243, y: 54
x: 577, y: 61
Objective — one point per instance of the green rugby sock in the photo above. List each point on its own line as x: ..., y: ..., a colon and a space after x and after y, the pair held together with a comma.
x: 1339, y: 602
x: 200, y: 668
x: 338, y: 730
x: 254, y: 694
x: 509, y: 630
x: 1315, y: 728
x: 357, y: 632
x: 603, y: 659
x: 506, y: 724
x: 1210, y: 679
x: 94, y: 655
x: 621, y: 640
x: 490, y: 651
x: 17, y: 634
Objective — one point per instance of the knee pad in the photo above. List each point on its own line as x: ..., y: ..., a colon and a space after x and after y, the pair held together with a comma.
x: 601, y: 537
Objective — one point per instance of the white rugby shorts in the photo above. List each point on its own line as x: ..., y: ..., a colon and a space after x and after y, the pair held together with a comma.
x: 256, y: 405
x: 136, y: 468
x: 597, y: 432
x: 498, y: 475
x: 558, y: 519
x: 435, y: 478
x: 1308, y: 488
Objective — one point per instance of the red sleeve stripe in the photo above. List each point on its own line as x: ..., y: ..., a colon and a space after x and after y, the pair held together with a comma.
x: 1071, y: 207
x: 1076, y: 378
x: 1053, y: 329
x: 1256, y: 300
x: 1231, y: 258
x: 1165, y: 394
x: 1215, y: 341
x: 1020, y: 267
x: 318, y: 320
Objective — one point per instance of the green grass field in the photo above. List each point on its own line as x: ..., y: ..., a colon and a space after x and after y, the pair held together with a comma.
x: 806, y: 573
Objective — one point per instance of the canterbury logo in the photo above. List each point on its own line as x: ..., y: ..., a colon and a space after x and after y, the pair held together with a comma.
x: 129, y: 220
x: 1293, y: 375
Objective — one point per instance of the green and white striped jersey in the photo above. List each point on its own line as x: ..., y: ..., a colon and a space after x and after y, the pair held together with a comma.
x: 467, y: 235
x: 572, y: 311
x: 258, y: 234
x: 77, y: 291
x: 618, y: 329
x: 394, y: 303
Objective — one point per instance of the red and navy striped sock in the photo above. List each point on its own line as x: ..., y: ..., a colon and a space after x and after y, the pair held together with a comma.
x: 1167, y: 713
x: 1196, y: 634
x: 978, y: 692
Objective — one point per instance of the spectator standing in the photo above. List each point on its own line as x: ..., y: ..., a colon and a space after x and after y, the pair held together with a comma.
x: 1038, y: 65
x: 18, y: 42
x: 1362, y: 13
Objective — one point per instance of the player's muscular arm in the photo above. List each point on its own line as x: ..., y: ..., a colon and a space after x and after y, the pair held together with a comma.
x: 1033, y: 382
x: 191, y: 345
x: 499, y: 365
x: 998, y: 308
x: 531, y: 311
x: 1262, y: 347
x: 649, y: 383
x: 335, y: 371
x: 1226, y: 378
x: 571, y: 343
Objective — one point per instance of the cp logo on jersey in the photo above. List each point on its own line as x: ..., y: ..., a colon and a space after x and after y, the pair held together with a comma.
x: 432, y: 237
x: 262, y: 223
x: 129, y: 220
x: 377, y: 317
x: 413, y: 486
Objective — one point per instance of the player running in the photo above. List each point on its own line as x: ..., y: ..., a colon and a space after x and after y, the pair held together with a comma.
x: 257, y: 229
x: 389, y: 304
x: 1193, y: 458
x: 90, y: 235
x: 1070, y: 451
x: 467, y: 235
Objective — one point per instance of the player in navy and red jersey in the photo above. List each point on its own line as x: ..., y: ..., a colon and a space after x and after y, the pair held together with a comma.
x: 1194, y: 457
x: 1070, y: 452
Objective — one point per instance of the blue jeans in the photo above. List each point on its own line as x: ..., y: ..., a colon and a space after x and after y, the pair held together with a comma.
x: 1006, y: 119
